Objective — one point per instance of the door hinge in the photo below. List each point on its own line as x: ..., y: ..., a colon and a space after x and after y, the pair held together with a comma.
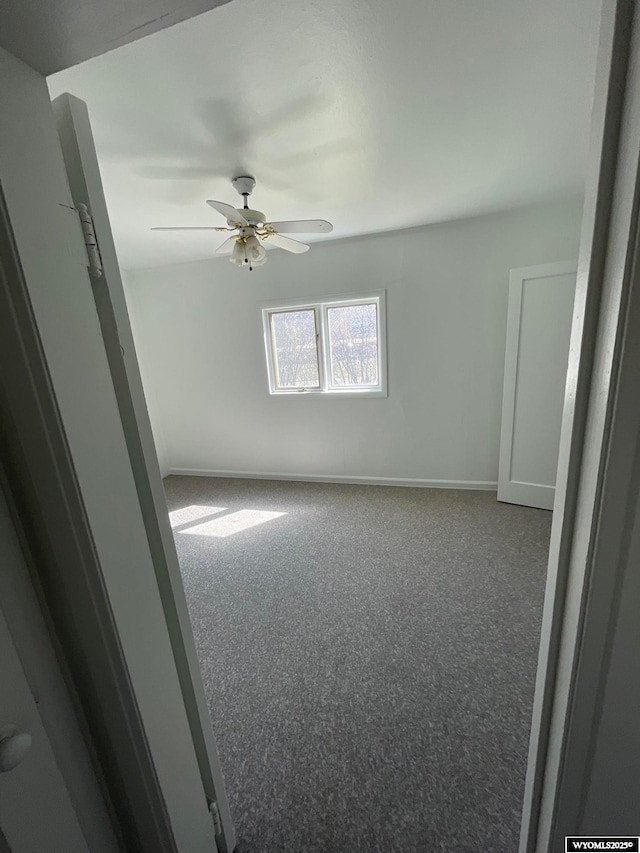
x: 90, y: 241
x: 215, y: 815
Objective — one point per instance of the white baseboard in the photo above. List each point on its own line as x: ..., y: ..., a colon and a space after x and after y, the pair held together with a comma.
x: 482, y: 485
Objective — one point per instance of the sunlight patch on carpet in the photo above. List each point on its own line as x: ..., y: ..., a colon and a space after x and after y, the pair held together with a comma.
x: 192, y: 513
x: 233, y: 523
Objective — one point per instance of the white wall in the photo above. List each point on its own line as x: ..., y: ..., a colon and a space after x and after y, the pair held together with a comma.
x: 199, y: 340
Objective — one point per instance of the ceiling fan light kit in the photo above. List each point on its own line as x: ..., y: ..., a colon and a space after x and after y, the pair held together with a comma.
x: 247, y: 247
x: 248, y: 251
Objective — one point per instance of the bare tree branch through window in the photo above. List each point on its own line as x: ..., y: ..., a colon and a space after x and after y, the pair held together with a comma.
x: 353, y: 345
x: 296, y: 349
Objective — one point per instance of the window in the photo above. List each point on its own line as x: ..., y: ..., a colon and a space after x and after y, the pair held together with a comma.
x: 329, y: 347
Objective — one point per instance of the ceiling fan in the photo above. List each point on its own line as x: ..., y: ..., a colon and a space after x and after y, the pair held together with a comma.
x: 247, y: 247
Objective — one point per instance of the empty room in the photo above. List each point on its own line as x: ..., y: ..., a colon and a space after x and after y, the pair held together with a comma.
x: 347, y: 236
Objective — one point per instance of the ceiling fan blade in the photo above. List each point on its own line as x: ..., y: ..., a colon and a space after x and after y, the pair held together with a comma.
x: 227, y: 247
x: 229, y: 213
x: 187, y: 228
x: 286, y: 243
x: 303, y: 226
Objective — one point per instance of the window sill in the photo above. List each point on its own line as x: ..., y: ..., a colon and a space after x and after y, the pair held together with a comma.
x: 350, y: 393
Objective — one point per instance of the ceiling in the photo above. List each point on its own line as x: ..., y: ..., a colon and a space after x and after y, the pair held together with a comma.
x: 372, y: 114
x: 50, y: 36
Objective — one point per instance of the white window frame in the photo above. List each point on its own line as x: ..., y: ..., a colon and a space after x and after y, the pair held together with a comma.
x: 321, y: 308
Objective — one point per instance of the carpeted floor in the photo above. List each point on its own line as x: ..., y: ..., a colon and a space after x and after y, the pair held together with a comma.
x: 369, y: 658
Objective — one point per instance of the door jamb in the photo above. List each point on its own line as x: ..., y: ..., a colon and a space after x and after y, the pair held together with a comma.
x: 594, y: 364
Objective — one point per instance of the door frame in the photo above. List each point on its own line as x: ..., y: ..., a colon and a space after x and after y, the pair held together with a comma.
x: 580, y: 608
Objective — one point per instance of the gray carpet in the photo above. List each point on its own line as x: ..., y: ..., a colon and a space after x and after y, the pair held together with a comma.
x: 369, y: 660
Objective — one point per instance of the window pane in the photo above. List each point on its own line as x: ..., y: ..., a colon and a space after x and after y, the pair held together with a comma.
x: 295, y: 349
x: 353, y: 345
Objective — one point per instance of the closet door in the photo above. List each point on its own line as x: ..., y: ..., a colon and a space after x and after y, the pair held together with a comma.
x: 537, y: 351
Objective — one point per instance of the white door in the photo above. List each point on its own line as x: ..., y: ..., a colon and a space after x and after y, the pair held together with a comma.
x: 537, y: 351
x: 36, y: 811
x: 74, y: 130
x: 69, y: 443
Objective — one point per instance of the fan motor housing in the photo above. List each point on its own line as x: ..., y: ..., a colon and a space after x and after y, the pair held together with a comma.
x: 253, y: 217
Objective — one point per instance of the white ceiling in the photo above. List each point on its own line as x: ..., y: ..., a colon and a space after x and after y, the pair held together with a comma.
x: 372, y: 114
